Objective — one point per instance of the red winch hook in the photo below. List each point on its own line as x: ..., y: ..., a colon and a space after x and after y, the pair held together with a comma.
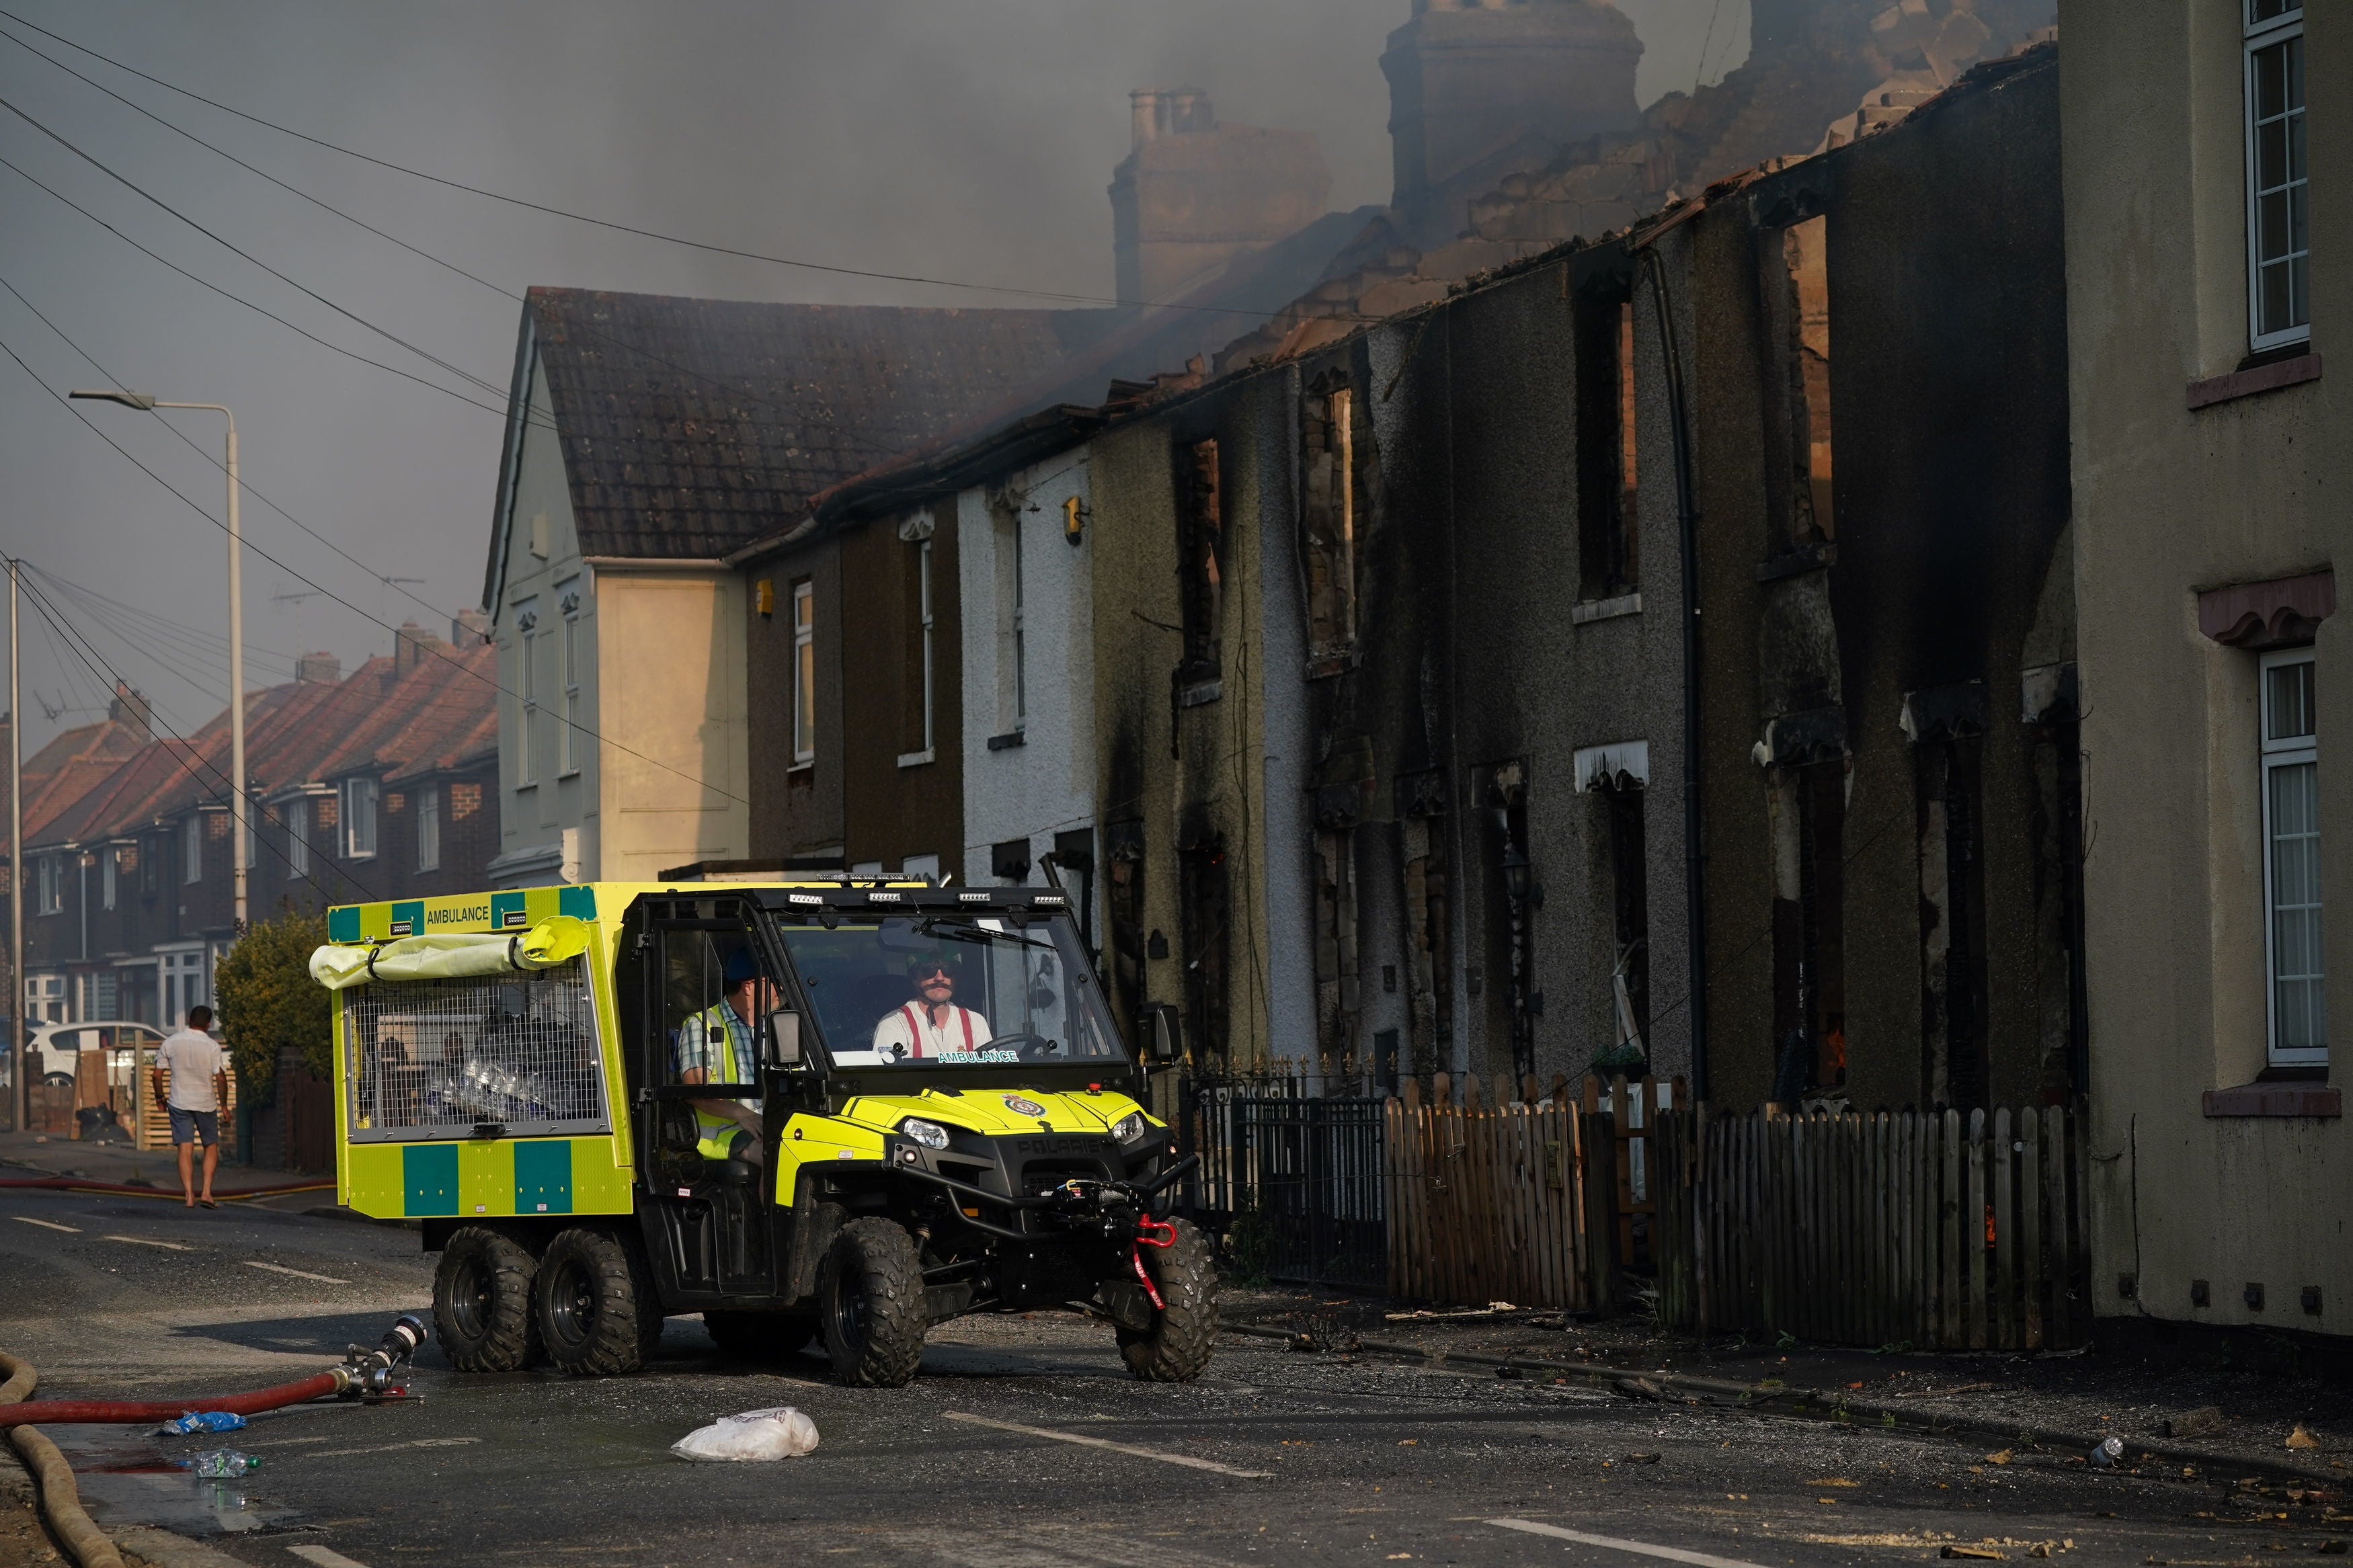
x: 1144, y: 1238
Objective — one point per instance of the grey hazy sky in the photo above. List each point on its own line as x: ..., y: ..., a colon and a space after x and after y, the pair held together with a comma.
x: 962, y: 139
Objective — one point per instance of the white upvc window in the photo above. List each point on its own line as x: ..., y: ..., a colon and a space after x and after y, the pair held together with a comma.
x: 298, y: 836
x: 2279, y: 288
x: 428, y: 827
x: 2292, y: 901
x: 106, y: 875
x: 926, y: 748
x: 804, y: 673
x: 568, y: 749
x: 192, y: 848
x: 48, y: 885
x: 527, y: 691
x: 1012, y: 636
x: 359, y: 818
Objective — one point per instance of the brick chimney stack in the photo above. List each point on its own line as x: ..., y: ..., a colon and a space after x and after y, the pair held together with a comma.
x: 410, y: 647
x: 1482, y: 88
x: 130, y: 706
x: 1192, y: 194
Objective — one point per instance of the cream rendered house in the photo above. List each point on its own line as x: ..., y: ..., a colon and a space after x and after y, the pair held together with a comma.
x: 2209, y: 265
x: 620, y: 634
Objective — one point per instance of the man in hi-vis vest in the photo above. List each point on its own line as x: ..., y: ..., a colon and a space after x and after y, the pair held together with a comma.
x: 718, y: 1044
x: 929, y: 1024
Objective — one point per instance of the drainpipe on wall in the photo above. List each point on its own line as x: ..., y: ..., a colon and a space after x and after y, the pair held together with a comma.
x: 1694, y: 843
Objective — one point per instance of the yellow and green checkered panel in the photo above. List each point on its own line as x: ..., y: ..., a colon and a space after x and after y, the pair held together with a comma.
x: 492, y: 1177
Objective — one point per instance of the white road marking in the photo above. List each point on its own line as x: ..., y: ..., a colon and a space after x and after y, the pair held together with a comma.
x: 151, y: 1241
x: 1185, y: 1460
x: 325, y: 1556
x: 299, y: 1274
x: 1671, y: 1553
x: 388, y: 1447
x: 47, y: 1223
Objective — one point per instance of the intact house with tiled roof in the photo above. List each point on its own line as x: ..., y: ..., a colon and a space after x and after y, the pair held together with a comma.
x: 648, y: 438
x: 378, y: 784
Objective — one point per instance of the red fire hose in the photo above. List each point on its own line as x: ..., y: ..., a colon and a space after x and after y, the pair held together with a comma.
x: 99, y: 1411
x: 123, y: 1189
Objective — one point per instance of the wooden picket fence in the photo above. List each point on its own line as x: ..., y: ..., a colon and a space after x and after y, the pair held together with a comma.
x: 1535, y: 1202
x: 1930, y: 1229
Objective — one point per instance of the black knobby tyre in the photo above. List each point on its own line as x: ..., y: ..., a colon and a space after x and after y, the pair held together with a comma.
x: 1176, y: 1347
x: 870, y: 1305
x: 594, y: 1304
x: 481, y: 1301
x: 760, y: 1336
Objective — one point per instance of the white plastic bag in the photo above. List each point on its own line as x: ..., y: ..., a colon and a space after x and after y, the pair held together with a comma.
x: 783, y: 1432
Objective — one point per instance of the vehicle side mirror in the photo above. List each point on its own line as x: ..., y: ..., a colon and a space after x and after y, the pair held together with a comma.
x: 781, y: 1041
x: 1164, y: 1034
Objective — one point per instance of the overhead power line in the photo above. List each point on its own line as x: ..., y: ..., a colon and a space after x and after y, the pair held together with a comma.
x: 205, y: 453
x: 235, y: 249
x: 429, y: 649
x: 182, y: 751
x: 633, y: 350
x: 239, y: 300
x: 795, y: 263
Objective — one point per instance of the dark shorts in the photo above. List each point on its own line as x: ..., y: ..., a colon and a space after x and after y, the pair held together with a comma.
x: 195, y: 1126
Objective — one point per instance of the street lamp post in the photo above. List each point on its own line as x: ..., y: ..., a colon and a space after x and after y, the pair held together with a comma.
x: 237, y: 804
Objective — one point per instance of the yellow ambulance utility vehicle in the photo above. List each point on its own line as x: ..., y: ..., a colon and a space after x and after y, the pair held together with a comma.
x: 840, y: 1110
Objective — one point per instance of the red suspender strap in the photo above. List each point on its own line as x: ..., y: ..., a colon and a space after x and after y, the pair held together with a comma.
x: 915, y: 1030
x: 965, y: 1013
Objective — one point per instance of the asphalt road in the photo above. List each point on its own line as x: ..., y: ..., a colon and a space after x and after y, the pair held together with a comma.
x: 1272, y: 1457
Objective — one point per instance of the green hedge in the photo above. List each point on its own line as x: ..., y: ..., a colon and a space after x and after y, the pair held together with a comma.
x: 267, y: 999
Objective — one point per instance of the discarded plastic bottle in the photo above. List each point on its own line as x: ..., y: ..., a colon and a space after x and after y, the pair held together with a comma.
x: 223, y: 1463
x: 205, y: 1421
x: 2107, y: 1452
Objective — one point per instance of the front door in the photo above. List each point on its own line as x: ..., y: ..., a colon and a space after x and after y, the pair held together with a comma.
x: 709, y: 981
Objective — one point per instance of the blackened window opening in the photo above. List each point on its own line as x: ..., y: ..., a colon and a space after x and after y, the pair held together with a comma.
x: 1123, y: 887
x: 1608, y: 539
x: 1810, y: 935
x: 1630, y: 978
x: 1201, y: 551
x: 1207, y: 921
x: 1798, y: 316
x: 1332, y: 472
x: 1074, y: 859
x: 1952, y: 923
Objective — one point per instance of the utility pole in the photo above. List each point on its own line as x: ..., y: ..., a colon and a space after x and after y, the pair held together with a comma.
x: 18, y: 1033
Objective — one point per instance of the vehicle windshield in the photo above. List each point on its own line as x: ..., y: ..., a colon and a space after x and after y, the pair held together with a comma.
x: 952, y: 991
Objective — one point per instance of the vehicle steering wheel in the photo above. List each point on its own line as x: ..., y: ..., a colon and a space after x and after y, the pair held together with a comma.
x: 1028, y: 1047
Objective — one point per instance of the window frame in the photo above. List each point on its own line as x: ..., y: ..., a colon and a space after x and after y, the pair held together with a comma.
x: 108, y: 875
x: 296, y: 818
x: 567, y: 760
x: 2295, y: 751
x: 567, y: 749
x: 1019, y: 633
x: 357, y: 790
x: 926, y: 623
x: 2256, y: 36
x: 428, y: 827
x: 805, y: 673
x: 527, y: 693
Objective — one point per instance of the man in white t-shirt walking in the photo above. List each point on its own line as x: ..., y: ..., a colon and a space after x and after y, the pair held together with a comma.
x: 196, y: 1070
